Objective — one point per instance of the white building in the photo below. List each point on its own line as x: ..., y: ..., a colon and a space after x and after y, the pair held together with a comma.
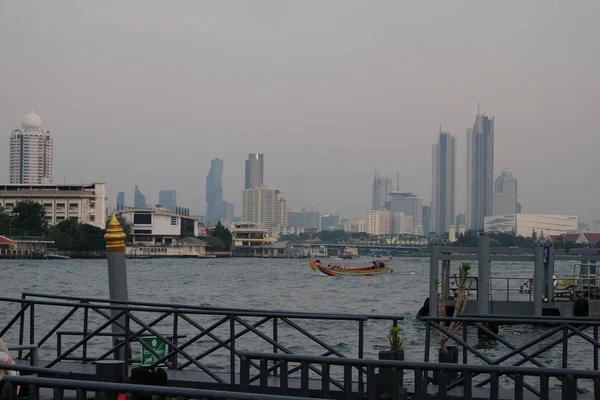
x: 505, y: 193
x: 402, y: 224
x: 153, y: 227
x: 31, y: 152
x: 264, y: 206
x: 86, y: 203
x: 278, y: 230
x: 525, y: 224
x: 378, y: 222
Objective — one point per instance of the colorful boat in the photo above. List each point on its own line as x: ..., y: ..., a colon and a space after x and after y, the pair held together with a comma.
x: 362, y: 267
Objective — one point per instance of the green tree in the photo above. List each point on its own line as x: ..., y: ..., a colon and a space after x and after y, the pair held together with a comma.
x: 224, y: 234
x: 29, y: 219
x: 5, y: 222
x: 75, y: 236
x: 214, y: 243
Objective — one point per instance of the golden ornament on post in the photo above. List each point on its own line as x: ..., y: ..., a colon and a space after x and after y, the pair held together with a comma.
x: 115, y: 237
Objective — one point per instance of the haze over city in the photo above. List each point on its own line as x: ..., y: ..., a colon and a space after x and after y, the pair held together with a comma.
x: 148, y: 92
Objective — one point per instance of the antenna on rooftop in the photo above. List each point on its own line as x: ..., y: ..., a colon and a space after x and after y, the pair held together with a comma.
x: 398, y: 181
x: 478, y: 108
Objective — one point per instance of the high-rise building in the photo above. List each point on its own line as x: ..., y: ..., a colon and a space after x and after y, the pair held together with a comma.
x: 442, y: 183
x: 409, y: 204
x: 264, y: 206
x: 402, y: 224
x: 480, y: 171
x: 505, y: 194
x: 306, y: 219
x: 254, y: 170
x: 120, y: 201
x: 378, y: 222
x: 214, y: 192
x: 168, y: 199
x: 228, y: 211
x: 329, y: 221
x: 426, y: 216
x: 461, y: 220
x: 31, y: 152
x: 139, y: 200
x: 382, y: 187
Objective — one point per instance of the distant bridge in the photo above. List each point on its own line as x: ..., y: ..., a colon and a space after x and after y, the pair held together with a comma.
x: 379, y: 242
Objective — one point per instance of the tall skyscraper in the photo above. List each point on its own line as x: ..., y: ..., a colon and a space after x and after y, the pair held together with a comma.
x: 426, y: 215
x: 168, y: 199
x: 139, y: 200
x: 214, y: 192
x: 442, y: 183
x: 264, y: 206
x: 382, y: 187
x: 254, y: 170
x: 228, y: 211
x: 480, y: 171
x: 120, y: 201
x: 31, y: 152
x: 505, y: 194
x: 409, y: 204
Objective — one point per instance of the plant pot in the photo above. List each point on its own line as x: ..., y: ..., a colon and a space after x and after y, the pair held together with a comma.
x: 448, y: 355
x: 383, y: 379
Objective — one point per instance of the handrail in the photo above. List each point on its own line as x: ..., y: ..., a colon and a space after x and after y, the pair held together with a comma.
x: 34, y: 370
x: 508, y: 319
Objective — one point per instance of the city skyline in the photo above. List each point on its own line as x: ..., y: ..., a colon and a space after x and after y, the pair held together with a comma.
x: 324, y: 123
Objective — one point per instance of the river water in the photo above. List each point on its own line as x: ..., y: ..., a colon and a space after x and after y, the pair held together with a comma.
x: 266, y: 284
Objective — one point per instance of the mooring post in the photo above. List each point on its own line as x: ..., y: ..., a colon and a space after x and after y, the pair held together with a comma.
x: 433, y: 277
x: 117, y: 277
x: 483, y: 275
x: 550, y: 273
x: 538, y: 280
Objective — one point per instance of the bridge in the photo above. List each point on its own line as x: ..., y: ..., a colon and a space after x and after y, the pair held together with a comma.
x: 406, y: 242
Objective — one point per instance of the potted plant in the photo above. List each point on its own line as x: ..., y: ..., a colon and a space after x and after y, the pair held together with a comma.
x: 449, y: 354
x: 396, y: 352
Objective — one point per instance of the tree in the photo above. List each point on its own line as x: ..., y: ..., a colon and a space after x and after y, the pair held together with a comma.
x: 214, y: 243
x: 29, y: 219
x: 224, y: 234
x: 5, y: 222
x: 75, y: 236
x: 125, y: 225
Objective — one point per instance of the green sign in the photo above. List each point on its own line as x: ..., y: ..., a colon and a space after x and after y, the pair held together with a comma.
x: 157, y: 345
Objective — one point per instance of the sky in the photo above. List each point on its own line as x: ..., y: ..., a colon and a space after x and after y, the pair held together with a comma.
x: 147, y: 92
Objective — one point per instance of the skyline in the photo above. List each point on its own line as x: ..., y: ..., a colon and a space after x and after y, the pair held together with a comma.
x: 327, y: 106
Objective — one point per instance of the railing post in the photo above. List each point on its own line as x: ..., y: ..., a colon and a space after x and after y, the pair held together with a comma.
x: 483, y: 275
x: 361, y: 343
x: 174, y: 339
x: 232, y: 350
x: 550, y: 274
x: 276, y: 340
x: 433, y: 277
x: 244, y: 373
x: 109, y: 371
x: 538, y: 281
x: 86, y: 312
x: 117, y: 272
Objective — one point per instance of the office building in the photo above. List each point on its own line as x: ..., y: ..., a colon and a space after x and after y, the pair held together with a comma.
x: 85, y: 203
x: 461, y: 220
x: 525, y: 225
x: 157, y: 227
x: 329, y: 221
x: 168, y: 199
x: 228, y: 212
x: 120, y: 201
x: 442, y: 183
x: 402, y: 224
x: 505, y: 194
x: 254, y: 170
x: 426, y: 216
x: 378, y: 222
x: 480, y: 171
x: 139, y: 200
x: 31, y: 152
x: 382, y: 187
x: 409, y: 204
x: 309, y: 220
x: 264, y: 206
x: 214, y: 192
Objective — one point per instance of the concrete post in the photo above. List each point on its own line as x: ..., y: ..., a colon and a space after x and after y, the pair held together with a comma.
x: 483, y: 275
x: 117, y: 274
x: 550, y: 275
x: 433, y: 277
x: 538, y: 281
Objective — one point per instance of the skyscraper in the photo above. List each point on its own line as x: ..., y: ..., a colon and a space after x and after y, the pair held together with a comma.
x: 168, y: 199
x: 120, y: 201
x: 264, y: 206
x: 442, y: 183
x: 139, y: 200
x: 505, y: 194
x: 254, y: 170
x: 228, y: 211
x: 426, y: 216
x: 31, y: 152
x: 409, y: 204
x: 214, y: 192
x: 382, y: 187
x: 480, y: 171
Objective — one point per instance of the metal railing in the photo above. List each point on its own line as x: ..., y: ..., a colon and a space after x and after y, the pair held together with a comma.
x: 421, y: 388
x: 210, y: 331
x: 535, y: 351
x: 80, y: 387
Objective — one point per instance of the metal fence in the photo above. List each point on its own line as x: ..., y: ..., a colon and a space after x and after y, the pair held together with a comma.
x: 191, y: 333
x: 420, y: 390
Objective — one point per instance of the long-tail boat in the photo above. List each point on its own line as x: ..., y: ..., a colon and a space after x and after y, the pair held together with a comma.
x: 358, y: 267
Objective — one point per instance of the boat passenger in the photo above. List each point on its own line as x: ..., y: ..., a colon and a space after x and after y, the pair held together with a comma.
x: 5, y: 358
x: 381, y: 264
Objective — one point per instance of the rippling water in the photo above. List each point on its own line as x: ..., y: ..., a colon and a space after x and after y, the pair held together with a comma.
x: 267, y: 284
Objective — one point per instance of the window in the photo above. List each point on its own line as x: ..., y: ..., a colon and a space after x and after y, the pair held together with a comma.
x: 142, y: 218
x: 173, y: 220
x: 142, y: 231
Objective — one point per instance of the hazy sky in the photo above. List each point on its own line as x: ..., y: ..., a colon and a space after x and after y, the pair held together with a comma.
x: 148, y: 92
